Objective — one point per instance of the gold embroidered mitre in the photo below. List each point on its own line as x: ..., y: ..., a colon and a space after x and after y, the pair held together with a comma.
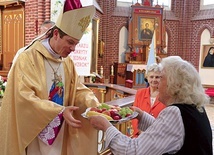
x: 74, y: 22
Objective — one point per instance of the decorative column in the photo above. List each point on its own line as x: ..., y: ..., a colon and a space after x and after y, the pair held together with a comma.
x: 102, y: 91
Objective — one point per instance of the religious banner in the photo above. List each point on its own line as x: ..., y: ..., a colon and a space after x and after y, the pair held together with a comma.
x: 82, y: 54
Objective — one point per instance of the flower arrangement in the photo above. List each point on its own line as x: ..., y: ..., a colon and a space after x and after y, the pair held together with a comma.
x: 133, y: 55
x: 3, y: 82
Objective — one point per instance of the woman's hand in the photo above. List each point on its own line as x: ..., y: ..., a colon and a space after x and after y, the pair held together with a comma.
x: 67, y: 114
x: 139, y: 111
x: 99, y: 123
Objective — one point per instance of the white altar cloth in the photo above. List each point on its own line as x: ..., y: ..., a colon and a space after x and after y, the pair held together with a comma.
x: 133, y: 67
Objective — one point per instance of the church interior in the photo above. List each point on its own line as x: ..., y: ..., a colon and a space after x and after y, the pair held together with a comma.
x: 183, y: 28
x: 124, y: 36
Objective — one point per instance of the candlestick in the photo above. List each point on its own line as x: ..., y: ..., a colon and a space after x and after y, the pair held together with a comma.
x: 101, y: 71
x: 112, y: 70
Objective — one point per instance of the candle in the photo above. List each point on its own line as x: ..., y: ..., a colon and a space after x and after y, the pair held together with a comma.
x: 112, y: 70
x: 101, y: 71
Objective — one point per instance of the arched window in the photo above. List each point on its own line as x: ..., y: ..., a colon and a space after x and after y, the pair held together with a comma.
x: 128, y: 3
x: 165, y: 3
x: 207, y: 4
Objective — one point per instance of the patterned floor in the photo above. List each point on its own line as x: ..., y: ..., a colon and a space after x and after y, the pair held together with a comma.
x: 210, y: 113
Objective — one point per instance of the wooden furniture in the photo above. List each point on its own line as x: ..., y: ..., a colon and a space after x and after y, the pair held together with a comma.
x: 120, y: 73
x: 129, y: 83
x: 136, y: 73
x: 111, y: 79
x: 146, y: 23
x: 141, y: 55
x: 138, y: 59
x: 12, y: 33
x: 150, y: 19
x: 99, y: 80
x: 4, y: 73
x: 110, y: 92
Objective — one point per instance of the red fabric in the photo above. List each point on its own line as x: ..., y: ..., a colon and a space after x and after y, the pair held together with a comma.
x: 49, y: 134
x: 147, y: 3
x: 4, y: 79
x: 72, y: 4
x: 129, y: 81
x: 142, y: 101
x: 210, y: 92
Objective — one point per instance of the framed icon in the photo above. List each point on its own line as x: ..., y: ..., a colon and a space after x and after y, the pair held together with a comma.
x: 144, y: 23
x: 146, y: 28
x: 207, y: 58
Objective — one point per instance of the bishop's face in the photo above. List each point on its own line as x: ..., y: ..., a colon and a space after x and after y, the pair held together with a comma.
x: 63, y: 45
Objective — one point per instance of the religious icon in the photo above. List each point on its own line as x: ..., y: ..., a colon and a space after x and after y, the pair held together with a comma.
x: 146, y: 28
x: 208, y: 57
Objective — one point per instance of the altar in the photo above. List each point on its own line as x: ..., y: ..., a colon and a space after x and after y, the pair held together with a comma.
x: 136, y: 73
x: 143, y: 19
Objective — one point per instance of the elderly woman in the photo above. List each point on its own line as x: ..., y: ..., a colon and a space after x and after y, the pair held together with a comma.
x: 181, y: 128
x: 147, y: 98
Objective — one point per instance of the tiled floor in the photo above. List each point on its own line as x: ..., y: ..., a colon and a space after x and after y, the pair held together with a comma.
x: 210, y: 113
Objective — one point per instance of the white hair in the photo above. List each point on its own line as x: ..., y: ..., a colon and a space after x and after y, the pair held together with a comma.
x: 183, y: 82
x: 153, y: 68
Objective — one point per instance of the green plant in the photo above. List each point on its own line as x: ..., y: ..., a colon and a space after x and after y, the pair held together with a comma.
x: 3, y: 83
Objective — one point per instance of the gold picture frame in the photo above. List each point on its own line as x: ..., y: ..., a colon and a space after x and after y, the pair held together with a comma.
x: 140, y: 17
x: 207, y: 58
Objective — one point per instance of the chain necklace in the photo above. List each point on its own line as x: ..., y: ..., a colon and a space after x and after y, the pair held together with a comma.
x: 154, y: 94
x: 57, y: 78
